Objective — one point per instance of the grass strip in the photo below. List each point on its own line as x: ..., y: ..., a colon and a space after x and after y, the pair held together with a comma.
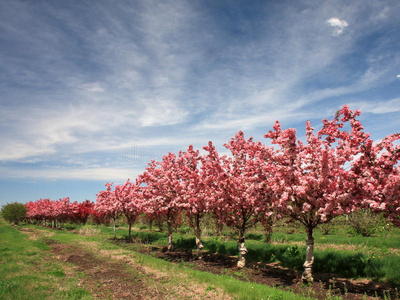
x: 28, y: 270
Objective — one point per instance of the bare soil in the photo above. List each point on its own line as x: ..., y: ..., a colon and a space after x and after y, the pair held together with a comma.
x: 105, y: 279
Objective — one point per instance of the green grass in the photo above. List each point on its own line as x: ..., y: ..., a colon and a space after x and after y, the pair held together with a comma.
x: 381, y: 240
x: 373, y: 259
x: 29, y: 272
x: 237, y: 288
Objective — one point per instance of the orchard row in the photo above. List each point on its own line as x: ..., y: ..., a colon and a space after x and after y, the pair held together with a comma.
x: 62, y: 210
x: 336, y: 171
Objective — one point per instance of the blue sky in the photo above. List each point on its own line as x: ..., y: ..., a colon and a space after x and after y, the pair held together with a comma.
x: 92, y: 90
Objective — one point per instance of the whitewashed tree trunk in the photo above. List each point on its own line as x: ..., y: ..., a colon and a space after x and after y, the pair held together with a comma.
x: 197, y: 233
x: 307, y: 274
x: 242, y: 250
x: 115, y: 228
x: 169, y: 225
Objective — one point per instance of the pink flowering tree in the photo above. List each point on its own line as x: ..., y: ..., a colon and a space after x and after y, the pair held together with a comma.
x: 62, y: 211
x: 107, y: 204
x: 379, y: 177
x: 238, y: 191
x: 162, y: 189
x: 44, y: 210
x: 130, y: 199
x: 80, y: 212
x: 314, y: 179
x: 34, y: 211
x: 193, y: 192
x: 153, y: 218
x: 100, y: 217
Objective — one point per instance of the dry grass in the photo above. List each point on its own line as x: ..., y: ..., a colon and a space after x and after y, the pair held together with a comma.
x: 89, y: 231
x: 34, y: 234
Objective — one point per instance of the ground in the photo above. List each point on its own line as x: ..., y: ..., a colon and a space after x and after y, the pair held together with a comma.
x: 112, y: 274
x: 109, y: 274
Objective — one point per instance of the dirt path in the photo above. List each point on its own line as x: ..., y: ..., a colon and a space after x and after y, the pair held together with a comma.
x: 112, y: 274
x: 105, y: 279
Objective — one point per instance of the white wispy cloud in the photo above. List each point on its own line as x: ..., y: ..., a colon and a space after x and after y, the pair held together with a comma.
x: 100, y: 174
x: 163, y: 75
x: 94, y: 87
x: 338, y: 25
x: 378, y: 107
x: 161, y: 112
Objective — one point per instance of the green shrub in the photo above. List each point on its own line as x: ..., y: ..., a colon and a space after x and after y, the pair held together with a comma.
x: 255, y: 236
x: 185, y: 243
x: 146, y: 237
x: 14, y: 212
x: 365, y: 222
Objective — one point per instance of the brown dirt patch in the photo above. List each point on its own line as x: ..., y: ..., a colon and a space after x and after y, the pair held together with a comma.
x: 185, y: 289
x: 105, y: 279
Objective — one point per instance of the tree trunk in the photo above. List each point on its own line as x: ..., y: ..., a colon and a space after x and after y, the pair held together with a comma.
x: 268, y: 227
x: 130, y: 230
x: 307, y: 274
x: 242, y: 249
x: 115, y: 228
x: 159, y: 223
x: 151, y: 225
x: 219, y: 226
x: 52, y: 223
x: 197, y: 232
x: 169, y: 225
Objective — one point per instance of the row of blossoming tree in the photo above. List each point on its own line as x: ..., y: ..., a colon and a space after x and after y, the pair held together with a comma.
x: 336, y: 171
x: 57, y: 212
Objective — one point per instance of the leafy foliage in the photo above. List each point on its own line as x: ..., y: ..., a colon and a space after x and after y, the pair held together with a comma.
x: 14, y: 212
x: 364, y: 222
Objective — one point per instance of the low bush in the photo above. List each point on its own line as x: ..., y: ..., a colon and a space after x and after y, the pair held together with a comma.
x: 366, y: 223
x: 14, y: 212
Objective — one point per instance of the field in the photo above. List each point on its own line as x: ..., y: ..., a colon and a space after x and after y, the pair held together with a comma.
x: 83, y: 262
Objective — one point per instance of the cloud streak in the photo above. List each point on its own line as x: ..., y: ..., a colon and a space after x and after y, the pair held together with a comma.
x: 89, y: 174
x: 92, y: 79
